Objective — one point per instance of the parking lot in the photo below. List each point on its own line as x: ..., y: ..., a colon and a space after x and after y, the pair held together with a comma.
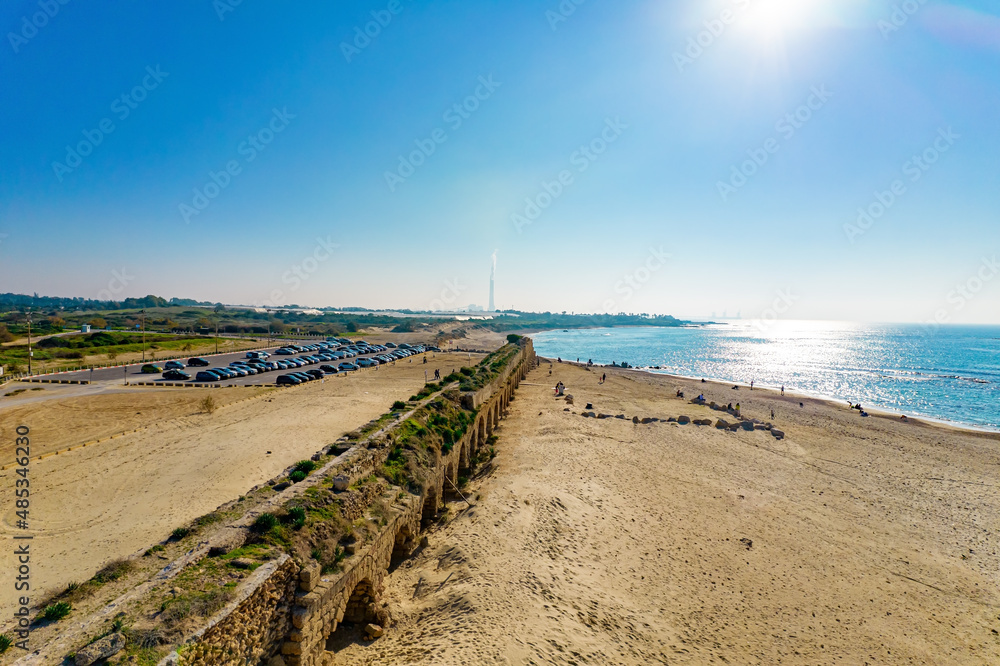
x: 132, y: 374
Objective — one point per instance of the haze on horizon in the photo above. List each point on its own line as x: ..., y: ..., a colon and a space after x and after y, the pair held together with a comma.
x: 684, y: 158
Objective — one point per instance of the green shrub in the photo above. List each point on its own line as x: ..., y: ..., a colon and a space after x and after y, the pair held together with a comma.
x: 264, y: 523
x: 56, y: 611
x: 179, y: 533
x: 113, y: 571
x: 467, y: 371
x: 5, y: 643
x: 513, y: 338
x: 305, y: 466
x: 297, y: 476
x: 296, y: 517
x: 398, y: 406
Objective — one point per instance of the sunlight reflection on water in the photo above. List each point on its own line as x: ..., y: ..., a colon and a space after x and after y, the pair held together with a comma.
x: 952, y: 372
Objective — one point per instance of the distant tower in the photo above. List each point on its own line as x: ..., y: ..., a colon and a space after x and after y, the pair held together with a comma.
x: 493, y: 276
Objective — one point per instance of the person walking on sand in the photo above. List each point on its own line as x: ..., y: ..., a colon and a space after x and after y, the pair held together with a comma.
x: 782, y: 389
x: 604, y: 377
x: 751, y: 384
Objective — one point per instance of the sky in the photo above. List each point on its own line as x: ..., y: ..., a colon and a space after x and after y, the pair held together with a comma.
x: 801, y: 159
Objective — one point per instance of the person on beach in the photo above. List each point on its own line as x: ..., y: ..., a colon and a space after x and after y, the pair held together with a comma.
x: 737, y: 409
x: 772, y: 414
x: 751, y: 384
x: 604, y: 377
x: 782, y: 389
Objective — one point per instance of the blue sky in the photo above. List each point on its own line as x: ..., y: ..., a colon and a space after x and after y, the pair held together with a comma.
x: 644, y: 127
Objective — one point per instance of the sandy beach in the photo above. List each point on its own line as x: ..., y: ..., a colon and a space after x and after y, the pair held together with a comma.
x: 852, y: 540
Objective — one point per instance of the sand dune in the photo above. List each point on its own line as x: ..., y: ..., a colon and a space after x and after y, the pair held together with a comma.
x: 602, y: 542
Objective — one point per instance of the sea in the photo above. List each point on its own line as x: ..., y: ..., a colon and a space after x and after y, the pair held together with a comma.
x: 949, y: 373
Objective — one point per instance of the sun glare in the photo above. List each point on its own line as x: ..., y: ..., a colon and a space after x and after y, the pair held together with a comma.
x: 770, y: 18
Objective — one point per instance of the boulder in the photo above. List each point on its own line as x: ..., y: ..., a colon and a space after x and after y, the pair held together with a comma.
x: 620, y: 416
x: 586, y: 415
x: 684, y: 420
x: 242, y: 563
x: 722, y: 424
x: 635, y: 419
x: 777, y: 434
x: 341, y: 483
x: 671, y: 420
x: 759, y: 426
x: 747, y: 425
x: 646, y: 420
x: 569, y: 399
x: 100, y: 649
x: 604, y: 416
x: 374, y: 630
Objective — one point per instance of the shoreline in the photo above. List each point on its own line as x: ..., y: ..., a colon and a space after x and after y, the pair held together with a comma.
x: 874, y: 412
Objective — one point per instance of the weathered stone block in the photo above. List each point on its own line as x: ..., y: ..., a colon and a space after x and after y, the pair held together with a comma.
x: 309, y: 577
x: 102, y: 649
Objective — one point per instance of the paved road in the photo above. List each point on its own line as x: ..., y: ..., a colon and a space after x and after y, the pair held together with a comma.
x: 132, y: 373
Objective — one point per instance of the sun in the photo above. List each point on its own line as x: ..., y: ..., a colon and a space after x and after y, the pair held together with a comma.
x: 773, y: 18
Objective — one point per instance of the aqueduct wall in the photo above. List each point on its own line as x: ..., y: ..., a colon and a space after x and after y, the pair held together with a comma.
x: 287, y: 615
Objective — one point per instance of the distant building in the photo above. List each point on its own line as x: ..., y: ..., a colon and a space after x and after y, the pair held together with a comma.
x: 493, y: 276
x: 85, y: 328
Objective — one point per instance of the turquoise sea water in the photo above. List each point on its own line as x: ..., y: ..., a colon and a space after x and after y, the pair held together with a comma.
x: 948, y: 372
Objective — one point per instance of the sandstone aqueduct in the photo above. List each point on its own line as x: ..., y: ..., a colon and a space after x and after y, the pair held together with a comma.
x: 287, y: 611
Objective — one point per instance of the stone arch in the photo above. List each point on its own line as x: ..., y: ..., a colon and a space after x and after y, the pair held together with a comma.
x: 431, y: 502
x: 450, y: 482
x: 359, y: 609
x: 361, y: 604
x: 403, y: 546
x: 482, y: 429
x: 463, y: 454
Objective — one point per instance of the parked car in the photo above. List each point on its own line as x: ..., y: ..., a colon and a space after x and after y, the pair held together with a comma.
x: 316, y: 372
x: 367, y: 363
x: 390, y: 345
x: 285, y: 351
x: 150, y: 369
x: 329, y: 369
x: 197, y: 362
x: 176, y: 375
x: 224, y: 373
x: 207, y: 376
x: 302, y: 376
x: 173, y: 365
x: 287, y: 380
x: 347, y: 367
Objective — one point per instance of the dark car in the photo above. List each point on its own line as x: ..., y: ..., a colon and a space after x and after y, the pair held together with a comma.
x: 316, y: 372
x: 287, y: 380
x: 329, y: 369
x: 176, y: 374
x: 302, y: 376
x: 173, y: 365
x: 150, y: 369
x: 198, y: 363
x: 207, y: 376
x: 347, y: 367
